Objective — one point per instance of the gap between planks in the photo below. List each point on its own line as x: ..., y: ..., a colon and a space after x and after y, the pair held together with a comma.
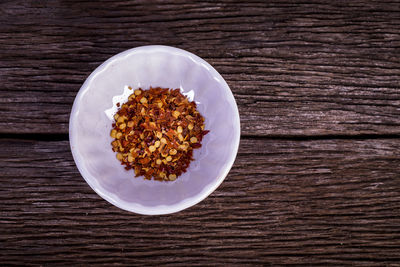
x: 65, y: 137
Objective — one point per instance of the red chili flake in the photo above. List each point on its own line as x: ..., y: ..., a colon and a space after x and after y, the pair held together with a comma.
x: 155, y: 133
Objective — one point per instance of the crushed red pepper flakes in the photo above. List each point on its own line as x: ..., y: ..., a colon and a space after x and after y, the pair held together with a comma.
x: 155, y: 133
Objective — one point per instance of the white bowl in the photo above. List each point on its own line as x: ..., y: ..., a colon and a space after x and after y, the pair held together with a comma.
x: 91, y: 119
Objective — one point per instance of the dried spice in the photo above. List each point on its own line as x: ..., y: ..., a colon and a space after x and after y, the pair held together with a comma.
x: 155, y: 133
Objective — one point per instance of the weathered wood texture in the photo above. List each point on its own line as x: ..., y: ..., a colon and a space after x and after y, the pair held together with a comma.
x: 306, y: 69
x: 313, y: 202
x: 296, y: 68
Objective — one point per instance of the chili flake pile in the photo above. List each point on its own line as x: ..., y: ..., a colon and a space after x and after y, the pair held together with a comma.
x: 155, y: 133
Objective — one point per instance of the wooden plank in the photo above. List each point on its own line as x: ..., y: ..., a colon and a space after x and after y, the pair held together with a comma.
x: 315, y: 202
x: 323, y: 68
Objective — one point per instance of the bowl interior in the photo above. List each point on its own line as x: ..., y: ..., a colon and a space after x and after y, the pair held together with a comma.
x: 91, y: 120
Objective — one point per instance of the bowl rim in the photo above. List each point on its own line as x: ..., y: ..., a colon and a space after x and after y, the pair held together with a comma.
x: 165, y: 209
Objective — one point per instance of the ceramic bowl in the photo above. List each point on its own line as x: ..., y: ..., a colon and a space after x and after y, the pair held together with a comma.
x: 92, y: 116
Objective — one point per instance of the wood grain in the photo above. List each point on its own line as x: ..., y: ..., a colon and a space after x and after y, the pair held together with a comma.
x: 316, y: 180
x: 311, y: 202
x: 296, y: 69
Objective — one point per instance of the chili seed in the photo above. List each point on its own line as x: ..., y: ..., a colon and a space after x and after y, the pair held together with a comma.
x: 176, y: 113
x: 120, y: 119
x: 122, y: 126
x: 113, y: 133
x: 143, y: 100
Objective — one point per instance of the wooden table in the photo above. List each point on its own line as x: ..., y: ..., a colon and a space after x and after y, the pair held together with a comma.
x: 317, y: 177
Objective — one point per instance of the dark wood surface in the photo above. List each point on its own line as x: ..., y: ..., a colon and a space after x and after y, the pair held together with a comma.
x: 317, y: 177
